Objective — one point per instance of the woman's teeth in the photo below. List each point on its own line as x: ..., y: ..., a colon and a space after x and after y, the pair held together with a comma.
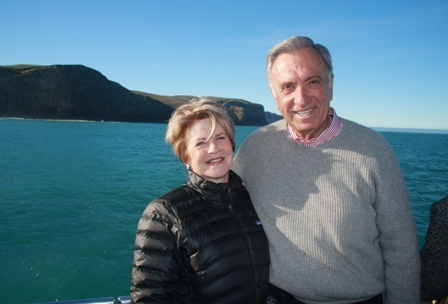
x: 215, y: 160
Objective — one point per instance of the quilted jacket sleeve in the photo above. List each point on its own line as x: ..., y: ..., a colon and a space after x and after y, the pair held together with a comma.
x: 434, y: 254
x: 158, y: 275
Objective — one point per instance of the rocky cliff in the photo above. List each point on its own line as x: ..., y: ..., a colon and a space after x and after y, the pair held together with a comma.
x: 241, y: 111
x: 81, y: 93
x: 72, y: 92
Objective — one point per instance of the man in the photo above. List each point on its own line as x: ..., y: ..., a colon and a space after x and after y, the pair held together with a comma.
x: 329, y: 192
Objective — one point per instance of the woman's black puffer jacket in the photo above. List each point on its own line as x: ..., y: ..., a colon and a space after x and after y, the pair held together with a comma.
x: 200, y: 244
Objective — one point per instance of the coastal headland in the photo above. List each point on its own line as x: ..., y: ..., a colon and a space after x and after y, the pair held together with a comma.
x: 77, y: 92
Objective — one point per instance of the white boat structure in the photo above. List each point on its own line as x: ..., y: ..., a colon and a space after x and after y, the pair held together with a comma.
x: 106, y: 300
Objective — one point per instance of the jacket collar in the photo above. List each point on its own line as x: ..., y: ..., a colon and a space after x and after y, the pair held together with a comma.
x: 215, y: 193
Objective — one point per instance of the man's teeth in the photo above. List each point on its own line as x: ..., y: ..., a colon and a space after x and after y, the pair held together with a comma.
x: 305, y: 112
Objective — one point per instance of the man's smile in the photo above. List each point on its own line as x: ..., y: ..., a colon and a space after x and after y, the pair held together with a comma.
x: 304, y: 112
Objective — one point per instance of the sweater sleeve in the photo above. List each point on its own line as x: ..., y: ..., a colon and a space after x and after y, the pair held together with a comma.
x: 397, y: 232
x: 157, y: 275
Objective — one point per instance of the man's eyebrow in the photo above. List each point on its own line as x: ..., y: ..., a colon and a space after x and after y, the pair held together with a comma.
x: 313, y: 77
x: 283, y: 83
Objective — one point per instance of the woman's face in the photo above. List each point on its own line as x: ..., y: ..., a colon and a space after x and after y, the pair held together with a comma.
x: 210, y: 159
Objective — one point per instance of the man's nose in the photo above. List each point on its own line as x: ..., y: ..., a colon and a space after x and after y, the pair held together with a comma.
x: 301, y: 97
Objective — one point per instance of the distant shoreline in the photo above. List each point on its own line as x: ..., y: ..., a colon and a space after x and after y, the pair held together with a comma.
x: 378, y: 129
x: 75, y: 120
x: 410, y: 130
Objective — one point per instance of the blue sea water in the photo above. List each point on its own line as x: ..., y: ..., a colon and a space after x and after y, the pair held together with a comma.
x: 71, y: 194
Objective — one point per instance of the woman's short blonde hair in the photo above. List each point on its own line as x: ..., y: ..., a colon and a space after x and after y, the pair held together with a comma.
x: 185, y: 115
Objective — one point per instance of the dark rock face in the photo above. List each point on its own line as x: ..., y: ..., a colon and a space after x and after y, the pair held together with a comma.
x: 77, y: 92
x: 272, y: 117
x: 73, y: 92
x: 243, y: 112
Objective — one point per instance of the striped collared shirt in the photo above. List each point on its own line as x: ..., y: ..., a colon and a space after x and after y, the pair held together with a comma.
x: 333, y: 130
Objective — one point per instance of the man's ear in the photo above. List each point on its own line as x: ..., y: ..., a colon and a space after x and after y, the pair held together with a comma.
x: 330, y: 88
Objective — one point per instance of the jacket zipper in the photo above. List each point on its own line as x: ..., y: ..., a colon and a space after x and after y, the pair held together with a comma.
x: 252, y: 267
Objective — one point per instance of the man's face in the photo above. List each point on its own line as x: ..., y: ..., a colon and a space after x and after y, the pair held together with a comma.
x: 303, y: 88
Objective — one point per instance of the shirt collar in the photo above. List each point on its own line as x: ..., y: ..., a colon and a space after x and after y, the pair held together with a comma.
x: 329, y: 133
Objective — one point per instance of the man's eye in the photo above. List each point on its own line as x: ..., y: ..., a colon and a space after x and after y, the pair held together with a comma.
x: 314, y: 82
x: 288, y: 87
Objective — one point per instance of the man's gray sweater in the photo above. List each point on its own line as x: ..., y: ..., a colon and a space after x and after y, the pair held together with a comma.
x: 337, y: 215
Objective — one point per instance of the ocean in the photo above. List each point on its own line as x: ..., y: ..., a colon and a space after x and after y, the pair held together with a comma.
x: 71, y: 194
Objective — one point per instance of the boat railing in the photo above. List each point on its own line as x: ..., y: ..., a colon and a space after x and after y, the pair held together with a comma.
x: 106, y: 300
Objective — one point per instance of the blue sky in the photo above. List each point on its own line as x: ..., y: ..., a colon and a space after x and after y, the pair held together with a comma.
x: 390, y: 57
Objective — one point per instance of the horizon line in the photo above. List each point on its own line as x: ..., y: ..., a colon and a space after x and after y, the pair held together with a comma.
x: 410, y: 130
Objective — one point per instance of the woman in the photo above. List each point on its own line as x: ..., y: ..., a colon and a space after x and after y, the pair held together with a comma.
x: 434, y: 256
x: 201, y: 242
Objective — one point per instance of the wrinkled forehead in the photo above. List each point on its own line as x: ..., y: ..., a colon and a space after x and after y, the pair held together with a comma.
x: 298, y: 67
x: 307, y: 58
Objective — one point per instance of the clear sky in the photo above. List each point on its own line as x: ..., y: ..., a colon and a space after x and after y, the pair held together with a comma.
x: 390, y: 57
